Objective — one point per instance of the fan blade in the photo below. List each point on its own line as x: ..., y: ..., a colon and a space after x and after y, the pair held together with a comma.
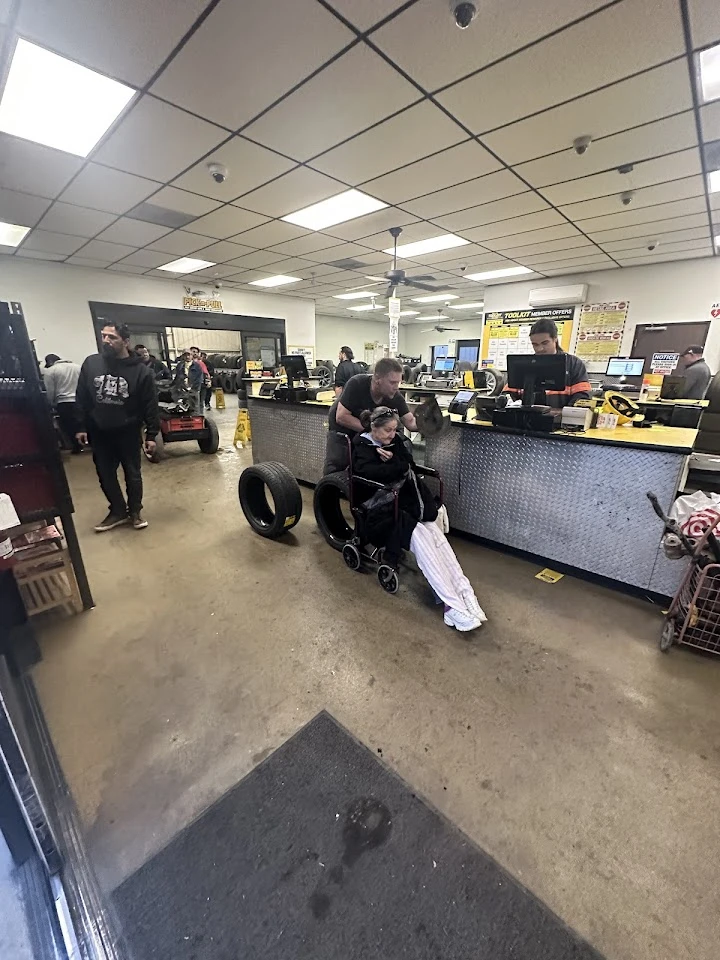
x: 390, y: 290
x: 411, y: 282
x: 425, y: 276
x: 428, y: 331
x: 362, y: 286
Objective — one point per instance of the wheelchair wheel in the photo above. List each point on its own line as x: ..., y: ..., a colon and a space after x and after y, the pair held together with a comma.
x: 388, y: 578
x: 351, y: 556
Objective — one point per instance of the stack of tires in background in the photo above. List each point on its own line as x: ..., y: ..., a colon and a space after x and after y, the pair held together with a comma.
x: 229, y: 371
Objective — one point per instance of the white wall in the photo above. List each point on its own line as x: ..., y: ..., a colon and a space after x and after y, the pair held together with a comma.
x: 660, y: 293
x: 331, y: 333
x: 54, y: 298
x: 415, y: 342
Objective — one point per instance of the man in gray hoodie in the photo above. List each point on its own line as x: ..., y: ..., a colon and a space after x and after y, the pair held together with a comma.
x: 61, y: 380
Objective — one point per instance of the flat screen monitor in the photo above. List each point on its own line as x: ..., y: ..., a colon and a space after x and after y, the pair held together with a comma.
x: 625, y: 367
x: 295, y: 367
x: 534, y: 373
x: 464, y: 396
x: 672, y: 388
x: 445, y: 365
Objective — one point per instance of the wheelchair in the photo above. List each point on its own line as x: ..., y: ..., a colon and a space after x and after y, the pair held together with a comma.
x: 349, y: 535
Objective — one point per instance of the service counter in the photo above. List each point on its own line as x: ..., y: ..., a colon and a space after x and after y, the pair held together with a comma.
x: 576, y: 499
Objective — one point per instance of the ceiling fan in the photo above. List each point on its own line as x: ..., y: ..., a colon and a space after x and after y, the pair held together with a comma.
x: 439, y: 327
x: 395, y: 277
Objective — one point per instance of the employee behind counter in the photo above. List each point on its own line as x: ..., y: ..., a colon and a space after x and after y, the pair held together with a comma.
x: 362, y: 392
x: 544, y: 339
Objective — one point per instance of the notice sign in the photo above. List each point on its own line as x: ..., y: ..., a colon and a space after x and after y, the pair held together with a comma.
x: 600, y: 330
x: 664, y: 363
x: 394, y: 311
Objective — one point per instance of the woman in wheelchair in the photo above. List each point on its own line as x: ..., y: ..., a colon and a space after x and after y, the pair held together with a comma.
x: 382, y: 456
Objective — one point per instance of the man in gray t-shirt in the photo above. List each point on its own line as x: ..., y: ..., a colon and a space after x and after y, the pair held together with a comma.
x: 697, y: 373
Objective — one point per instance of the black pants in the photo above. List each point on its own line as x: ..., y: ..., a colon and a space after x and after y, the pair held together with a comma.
x: 207, y: 394
x: 68, y: 423
x: 114, y: 448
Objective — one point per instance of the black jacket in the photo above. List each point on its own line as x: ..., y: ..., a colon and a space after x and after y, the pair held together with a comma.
x: 345, y: 370
x: 160, y: 371
x: 415, y: 501
x: 113, y: 394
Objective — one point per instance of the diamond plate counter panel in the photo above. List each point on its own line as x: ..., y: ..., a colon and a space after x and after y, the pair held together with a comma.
x: 294, y: 435
x: 580, y: 504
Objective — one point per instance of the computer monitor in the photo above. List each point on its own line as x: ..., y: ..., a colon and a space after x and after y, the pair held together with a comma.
x: 672, y: 388
x: 625, y: 367
x: 295, y: 368
x: 444, y: 365
x: 535, y: 373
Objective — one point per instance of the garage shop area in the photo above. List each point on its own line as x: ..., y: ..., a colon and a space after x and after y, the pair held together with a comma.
x: 359, y: 479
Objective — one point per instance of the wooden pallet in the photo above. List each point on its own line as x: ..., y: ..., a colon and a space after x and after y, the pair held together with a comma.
x: 48, y: 581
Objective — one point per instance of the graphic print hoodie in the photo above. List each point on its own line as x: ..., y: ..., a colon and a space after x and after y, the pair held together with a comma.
x: 116, y: 393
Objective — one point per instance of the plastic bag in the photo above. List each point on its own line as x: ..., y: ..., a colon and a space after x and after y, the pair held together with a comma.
x: 695, y: 512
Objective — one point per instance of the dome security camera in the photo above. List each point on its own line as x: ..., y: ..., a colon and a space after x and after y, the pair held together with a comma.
x: 464, y: 13
x: 581, y: 144
x: 218, y: 172
x: 653, y: 245
x: 626, y: 198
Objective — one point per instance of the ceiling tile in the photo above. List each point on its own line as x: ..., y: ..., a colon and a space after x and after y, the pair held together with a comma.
x: 124, y: 267
x: 704, y: 22
x: 552, y: 259
x: 364, y: 14
x: 569, y: 243
x: 671, y: 241
x: 5, y: 10
x: 179, y: 242
x: 650, y: 96
x: 676, y: 166
x: 656, y: 228
x: 661, y: 258
x: 505, y: 228
x: 494, y: 186
x: 410, y: 136
x: 414, y: 38
x: 564, y: 231
x: 103, y: 188
x: 225, y: 222
x: 599, y: 260
x: 684, y: 191
x: 189, y: 203
x: 295, y: 190
x: 101, y: 250
x: 78, y: 221
x: 158, y: 141
x: 145, y: 259
x: 127, y: 40
x: 135, y: 233
x: 371, y: 223
x: 252, y: 261
x: 462, y: 162
x: 27, y: 254
x: 310, y: 243
x: 223, y: 251
x: 633, y: 146
x: 710, y: 116
x: 326, y: 110
x: 270, y: 234
x: 585, y: 270
x: 249, y: 165
x: 224, y: 72
x: 81, y: 261
x: 520, y: 205
x: 420, y: 230
x: 621, y: 39
x: 219, y: 271
x: 32, y: 168
x: 46, y: 242
x: 648, y: 215
x: 22, y: 208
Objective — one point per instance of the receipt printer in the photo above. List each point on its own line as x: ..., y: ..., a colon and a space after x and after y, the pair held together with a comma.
x: 576, y: 418
x: 462, y: 401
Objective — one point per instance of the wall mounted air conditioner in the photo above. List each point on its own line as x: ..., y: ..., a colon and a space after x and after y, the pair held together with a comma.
x: 558, y: 296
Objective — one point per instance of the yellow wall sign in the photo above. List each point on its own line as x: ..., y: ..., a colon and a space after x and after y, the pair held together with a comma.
x: 508, y: 332
x: 203, y: 304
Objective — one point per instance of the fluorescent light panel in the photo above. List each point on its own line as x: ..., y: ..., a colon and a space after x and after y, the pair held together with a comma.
x: 353, y: 296
x: 11, y: 234
x: 710, y: 73
x: 435, y: 298
x: 186, y: 265
x: 496, y: 274
x: 337, y: 209
x: 714, y: 181
x: 51, y: 100
x: 278, y: 281
x: 467, y: 306
x: 367, y: 306
x: 407, y: 313
x: 446, y: 241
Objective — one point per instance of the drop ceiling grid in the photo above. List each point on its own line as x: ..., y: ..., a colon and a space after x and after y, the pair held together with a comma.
x: 213, y: 127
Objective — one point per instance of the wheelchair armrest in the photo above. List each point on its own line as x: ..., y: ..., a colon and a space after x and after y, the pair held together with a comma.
x: 370, y: 483
x: 426, y: 471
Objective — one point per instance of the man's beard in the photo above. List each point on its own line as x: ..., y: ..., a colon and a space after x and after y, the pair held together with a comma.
x: 108, y: 351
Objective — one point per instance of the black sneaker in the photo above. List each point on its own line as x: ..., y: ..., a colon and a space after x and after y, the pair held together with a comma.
x: 111, y: 520
x: 137, y: 521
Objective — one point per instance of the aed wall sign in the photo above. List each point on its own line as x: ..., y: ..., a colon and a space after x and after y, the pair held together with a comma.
x: 715, y: 311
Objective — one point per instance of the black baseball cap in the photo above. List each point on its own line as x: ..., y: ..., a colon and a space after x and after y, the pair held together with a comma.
x: 695, y: 349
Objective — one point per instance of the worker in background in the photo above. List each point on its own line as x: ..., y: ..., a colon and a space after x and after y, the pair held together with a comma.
x: 364, y: 391
x: 61, y: 380
x: 209, y: 382
x: 116, y: 395
x: 188, y: 374
x: 160, y: 371
x: 544, y: 339
x: 345, y: 369
x: 696, y: 373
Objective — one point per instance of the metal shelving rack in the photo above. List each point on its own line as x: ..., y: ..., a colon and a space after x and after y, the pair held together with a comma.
x: 35, y: 476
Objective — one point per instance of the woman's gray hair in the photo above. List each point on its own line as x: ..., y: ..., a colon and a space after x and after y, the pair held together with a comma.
x: 378, y: 417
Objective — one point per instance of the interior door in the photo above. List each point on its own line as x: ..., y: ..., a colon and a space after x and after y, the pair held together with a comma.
x: 468, y: 350
x: 653, y: 338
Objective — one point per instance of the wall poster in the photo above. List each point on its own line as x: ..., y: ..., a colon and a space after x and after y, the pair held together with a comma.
x: 600, y: 330
x: 508, y: 331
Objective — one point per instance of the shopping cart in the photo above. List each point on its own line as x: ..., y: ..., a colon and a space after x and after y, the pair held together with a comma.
x: 694, y: 615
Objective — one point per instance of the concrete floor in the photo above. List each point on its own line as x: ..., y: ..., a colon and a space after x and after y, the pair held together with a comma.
x: 557, y: 737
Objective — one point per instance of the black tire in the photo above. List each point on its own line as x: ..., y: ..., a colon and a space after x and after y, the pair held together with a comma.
x: 159, y: 453
x: 327, y: 506
x: 496, y: 380
x: 285, y: 492
x: 227, y: 383
x: 210, y: 443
